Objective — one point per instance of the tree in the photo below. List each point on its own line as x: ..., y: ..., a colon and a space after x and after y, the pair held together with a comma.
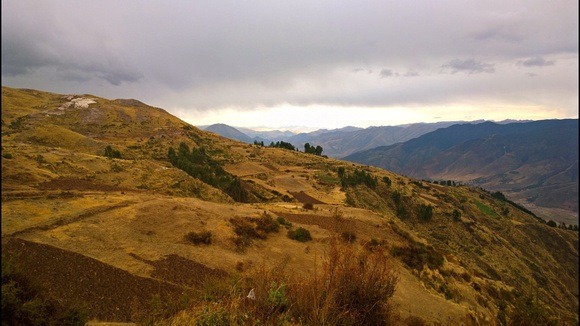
x: 318, y: 150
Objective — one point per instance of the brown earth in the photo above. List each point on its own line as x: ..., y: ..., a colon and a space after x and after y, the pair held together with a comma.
x: 106, y: 293
x: 305, y: 198
x: 77, y: 184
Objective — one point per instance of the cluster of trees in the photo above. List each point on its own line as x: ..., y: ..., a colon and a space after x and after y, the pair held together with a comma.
x: 316, y: 150
x: 198, y: 164
x: 445, y: 183
x: 356, y: 178
x: 313, y: 150
x: 282, y: 144
x: 562, y: 226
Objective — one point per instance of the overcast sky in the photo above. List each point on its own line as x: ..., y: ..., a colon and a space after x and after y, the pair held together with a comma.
x: 323, y: 64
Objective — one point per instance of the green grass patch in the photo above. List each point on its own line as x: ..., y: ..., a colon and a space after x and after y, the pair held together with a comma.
x: 486, y: 209
x: 327, y: 179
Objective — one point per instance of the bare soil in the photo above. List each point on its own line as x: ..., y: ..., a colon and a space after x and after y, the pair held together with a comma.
x: 77, y: 184
x: 305, y: 198
x: 104, y: 292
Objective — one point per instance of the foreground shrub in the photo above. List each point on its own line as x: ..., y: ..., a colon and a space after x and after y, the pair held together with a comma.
x: 354, y: 288
x: 350, y: 287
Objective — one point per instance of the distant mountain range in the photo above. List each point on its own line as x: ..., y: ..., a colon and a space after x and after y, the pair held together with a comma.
x: 336, y: 143
x: 535, y: 163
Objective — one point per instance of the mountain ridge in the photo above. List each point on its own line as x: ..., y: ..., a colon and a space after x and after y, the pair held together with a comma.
x: 519, y: 159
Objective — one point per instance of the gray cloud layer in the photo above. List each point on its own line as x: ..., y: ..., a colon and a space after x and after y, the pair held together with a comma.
x: 207, y: 54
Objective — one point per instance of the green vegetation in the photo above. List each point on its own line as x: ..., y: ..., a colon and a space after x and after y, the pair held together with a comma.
x: 199, y: 165
x: 552, y: 223
x: 313, y: 150
x: 112, y: 153
x: 486, y: 209
x: 282, y: 221
x: 327, y: 179
x: 425, y: 212
x: 416, y: 254
x: 283, y: 144
x: 387, y: 181
x: 301, y: 234
x: 356, y: 178
x: 456, y: 215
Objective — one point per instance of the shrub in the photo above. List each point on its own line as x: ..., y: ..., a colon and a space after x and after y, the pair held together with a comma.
x: 387, y: 181
x: 354, y: 289
x: 266, y: 223
x: 309, y: 206
x: 456, y: 215
x: 300, y: 234
x: 416, y: 254
x: 112, y: 153
x: 203, y: 237
x: 425, y: 212
x: 282, y: 221
x: 253, y: 228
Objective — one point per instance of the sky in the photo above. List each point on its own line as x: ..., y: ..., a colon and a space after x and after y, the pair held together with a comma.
x: 303, y: 64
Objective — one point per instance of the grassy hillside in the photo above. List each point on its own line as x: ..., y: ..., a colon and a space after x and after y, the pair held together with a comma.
x: 319, y: 240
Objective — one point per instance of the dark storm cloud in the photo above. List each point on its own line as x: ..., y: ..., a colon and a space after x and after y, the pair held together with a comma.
x: 206, y: 54
x: 43, y: 42
x: 470, y: 66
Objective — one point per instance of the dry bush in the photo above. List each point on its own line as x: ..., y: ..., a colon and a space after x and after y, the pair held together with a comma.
x: 309, y: 206
x: 253, y: 228
x: 203, y: 237
x: 354, y: 288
